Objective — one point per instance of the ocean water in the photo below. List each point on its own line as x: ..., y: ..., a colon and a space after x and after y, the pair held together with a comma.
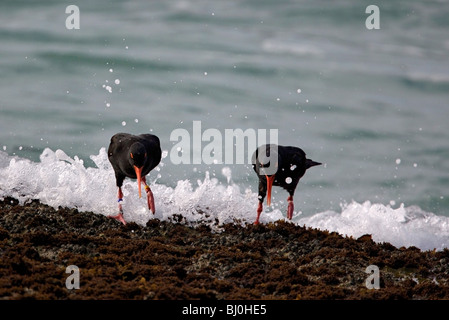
x: 371, y: 105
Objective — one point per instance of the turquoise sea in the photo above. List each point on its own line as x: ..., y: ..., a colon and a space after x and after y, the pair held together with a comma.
x: 371, y: 105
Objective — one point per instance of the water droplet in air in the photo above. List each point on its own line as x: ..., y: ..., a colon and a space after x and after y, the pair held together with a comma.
x: 226, y: 171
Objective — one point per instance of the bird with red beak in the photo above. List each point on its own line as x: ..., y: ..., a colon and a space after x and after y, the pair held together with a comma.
x: 134, y: 157
x: 280, y: 166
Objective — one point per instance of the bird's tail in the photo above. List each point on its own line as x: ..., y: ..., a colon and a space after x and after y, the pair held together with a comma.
x: 311, y: 163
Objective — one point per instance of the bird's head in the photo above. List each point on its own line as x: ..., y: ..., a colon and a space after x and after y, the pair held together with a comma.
x: 137, y: 155
x: 266, y: 160
x: 137, y: 158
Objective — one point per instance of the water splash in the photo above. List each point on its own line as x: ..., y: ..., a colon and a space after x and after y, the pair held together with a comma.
x: 59, y: 180
x: 403, y: 226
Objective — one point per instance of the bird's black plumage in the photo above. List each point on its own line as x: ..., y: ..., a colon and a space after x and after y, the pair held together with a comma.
x: 123, y: 145
x: 289, y: 167
x: 134, y: 156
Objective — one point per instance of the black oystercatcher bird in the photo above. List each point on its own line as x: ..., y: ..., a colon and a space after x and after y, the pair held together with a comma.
x: 279, y: 166
x: 134, y: 157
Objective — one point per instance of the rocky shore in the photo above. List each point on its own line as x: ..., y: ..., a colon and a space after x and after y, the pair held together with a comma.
x: 169, y: 260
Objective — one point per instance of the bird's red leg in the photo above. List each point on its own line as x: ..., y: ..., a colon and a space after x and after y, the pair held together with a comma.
x: 259, y: 211
x: 119, y: 216
x: 290, y: 207
x: 150, y: 198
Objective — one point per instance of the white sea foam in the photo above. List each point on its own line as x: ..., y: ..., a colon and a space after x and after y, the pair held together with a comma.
x: 403, y: 226
x: 58, y: 180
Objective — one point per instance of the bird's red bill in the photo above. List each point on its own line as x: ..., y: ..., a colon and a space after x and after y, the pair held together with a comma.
x: 139, y: 179
x: 270, y: 180
x: 290, y: 208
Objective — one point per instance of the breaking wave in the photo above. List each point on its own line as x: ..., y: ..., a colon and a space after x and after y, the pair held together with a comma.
x: 59, y: 180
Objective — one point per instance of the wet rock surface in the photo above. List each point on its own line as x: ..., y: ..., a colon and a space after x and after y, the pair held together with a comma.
x: 170, y: 260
